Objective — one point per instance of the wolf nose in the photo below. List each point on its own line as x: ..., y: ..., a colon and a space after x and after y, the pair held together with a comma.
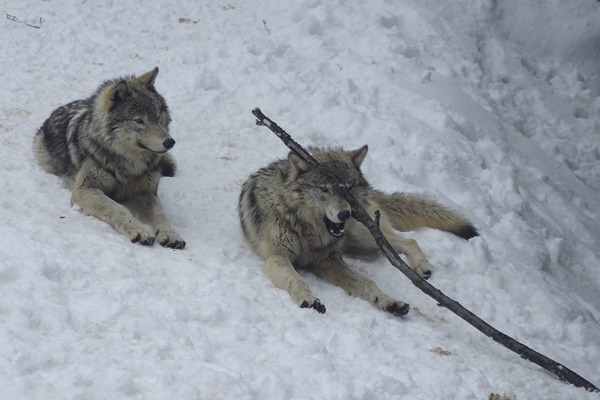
x: 169, y: 143
x: 344, y: 216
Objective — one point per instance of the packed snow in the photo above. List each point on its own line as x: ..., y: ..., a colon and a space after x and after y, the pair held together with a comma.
x: 490, y: 107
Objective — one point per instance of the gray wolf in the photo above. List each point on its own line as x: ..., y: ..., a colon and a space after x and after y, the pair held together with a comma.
x: 293, y: 218
x: 111, y: 150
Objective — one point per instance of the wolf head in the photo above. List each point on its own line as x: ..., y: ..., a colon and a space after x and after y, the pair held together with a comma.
x: 332, y: 208
x: 137, y: 115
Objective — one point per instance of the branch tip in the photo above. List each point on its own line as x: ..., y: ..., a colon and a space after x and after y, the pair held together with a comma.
x: 377, y: 216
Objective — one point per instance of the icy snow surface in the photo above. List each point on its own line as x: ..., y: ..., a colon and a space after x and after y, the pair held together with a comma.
x: 490, y: 107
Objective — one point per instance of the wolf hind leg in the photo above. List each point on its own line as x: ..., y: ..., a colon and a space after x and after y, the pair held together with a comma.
x: 360, y: 241
x: 416, y: 258
x: 280, y: 271
x: 335, y: 271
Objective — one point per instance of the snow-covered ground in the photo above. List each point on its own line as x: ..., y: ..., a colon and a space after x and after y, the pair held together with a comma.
x: 491, y: 107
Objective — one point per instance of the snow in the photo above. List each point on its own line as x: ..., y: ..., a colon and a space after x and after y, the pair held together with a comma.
x: 490, y: 107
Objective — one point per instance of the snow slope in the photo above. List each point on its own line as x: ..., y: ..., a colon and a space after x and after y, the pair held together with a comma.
x: 490, y: 107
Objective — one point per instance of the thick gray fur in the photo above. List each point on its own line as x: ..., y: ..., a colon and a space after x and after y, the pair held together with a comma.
x: 294, y: 218
x: 111, y: 150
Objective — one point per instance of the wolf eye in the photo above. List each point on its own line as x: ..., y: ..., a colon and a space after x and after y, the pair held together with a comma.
x: 139, y: 121
x: 323, y: 189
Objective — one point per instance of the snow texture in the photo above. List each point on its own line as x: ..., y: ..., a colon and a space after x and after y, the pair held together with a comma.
x: 490, y: 107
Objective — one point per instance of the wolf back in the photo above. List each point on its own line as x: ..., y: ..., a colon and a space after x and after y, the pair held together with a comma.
x: 115, y: 141
x: 293, y: 218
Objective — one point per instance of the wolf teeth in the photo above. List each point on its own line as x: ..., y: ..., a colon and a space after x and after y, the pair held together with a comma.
x: 335, y: 229
x: 337, y: 234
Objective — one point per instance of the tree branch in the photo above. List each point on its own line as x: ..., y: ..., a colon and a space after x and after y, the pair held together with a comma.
x: 359, y: 213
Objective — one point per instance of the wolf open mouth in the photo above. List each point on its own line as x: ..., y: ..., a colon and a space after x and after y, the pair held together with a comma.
x: 335, y: 229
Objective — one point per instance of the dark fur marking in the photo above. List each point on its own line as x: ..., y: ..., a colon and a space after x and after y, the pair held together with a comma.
x: 253, y: 204
x: 240, y: 213
x: 248, y: 196
x: 468, y: 232
x: 167, y: 168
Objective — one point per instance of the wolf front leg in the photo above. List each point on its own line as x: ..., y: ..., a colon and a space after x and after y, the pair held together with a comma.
x: 149, y: 208
x: 334, y: 270
x: 89, y: 194
x: 281, y: 272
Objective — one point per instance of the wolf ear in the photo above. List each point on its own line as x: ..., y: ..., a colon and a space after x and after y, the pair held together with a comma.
x: 298, y: 164
x: 358, y: 156
x: 119, y: 92
x: 148, y: 78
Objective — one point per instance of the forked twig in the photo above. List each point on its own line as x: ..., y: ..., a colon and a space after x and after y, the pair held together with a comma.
x: 359, y: 213
x: 265, y: 24
x: 15, y: 19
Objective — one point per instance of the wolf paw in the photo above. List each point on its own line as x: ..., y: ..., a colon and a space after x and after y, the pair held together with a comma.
x: 316, y: 305
x: 424, y: 270
x: 423, y: 274
x: 170, y: 239
x: 146, y: 240
x: 397, y: 308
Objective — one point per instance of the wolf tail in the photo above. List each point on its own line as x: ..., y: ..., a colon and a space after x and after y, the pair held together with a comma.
x: 408, y: 212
